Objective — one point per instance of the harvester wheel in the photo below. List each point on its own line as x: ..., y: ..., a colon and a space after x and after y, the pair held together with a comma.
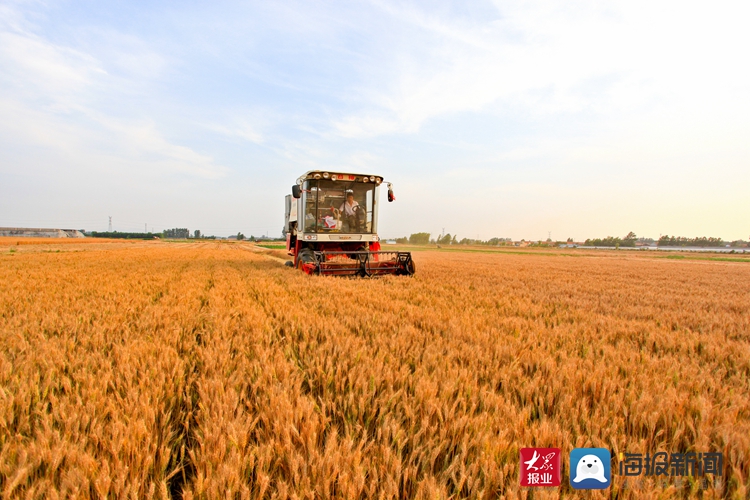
x: 306, y: 256
x: 411, y: 268
x: 407, y: 266
x: 289, y: 263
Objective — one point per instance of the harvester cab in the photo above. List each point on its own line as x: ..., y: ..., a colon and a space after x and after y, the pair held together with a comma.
x: 331, y: 222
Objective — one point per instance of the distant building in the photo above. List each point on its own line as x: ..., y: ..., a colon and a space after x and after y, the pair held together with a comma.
x: 32, y: 232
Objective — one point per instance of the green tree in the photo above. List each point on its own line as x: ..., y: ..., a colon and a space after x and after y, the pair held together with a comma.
x: 609, y: 241
x: 445, y: 240
x: 240, y: 236
x: 629, y: 240
x: 419, y: 238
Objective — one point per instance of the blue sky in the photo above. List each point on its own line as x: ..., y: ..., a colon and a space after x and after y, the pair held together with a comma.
x: 506, y: 119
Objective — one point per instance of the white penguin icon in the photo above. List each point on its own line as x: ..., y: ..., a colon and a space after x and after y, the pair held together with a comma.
x: 590, y: 467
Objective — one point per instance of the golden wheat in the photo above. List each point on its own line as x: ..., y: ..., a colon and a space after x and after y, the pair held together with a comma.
x: 202, y: 370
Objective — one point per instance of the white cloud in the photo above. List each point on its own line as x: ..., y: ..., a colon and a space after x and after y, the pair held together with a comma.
x: 51, y: 98
x: 100, y: 144
x: 553, y: 58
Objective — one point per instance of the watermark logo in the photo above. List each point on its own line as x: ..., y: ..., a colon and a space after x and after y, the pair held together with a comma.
x: 590, y: 469
x: 540, y: 467
x: 665, y: 469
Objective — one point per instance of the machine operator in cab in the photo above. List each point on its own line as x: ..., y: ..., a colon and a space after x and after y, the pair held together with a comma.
x: 350, y: 214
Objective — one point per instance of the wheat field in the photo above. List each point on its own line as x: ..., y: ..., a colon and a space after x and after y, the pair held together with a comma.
x: 207, y: 370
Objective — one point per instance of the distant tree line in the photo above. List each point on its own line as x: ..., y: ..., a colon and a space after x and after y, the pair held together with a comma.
x: 681, y: 241
x: 610, y: 241
x: 123, y: 236
x: 177, y: 233
x: 448, y: 239
x: 665, y: 241
x: 627, y: 241
x: 493, y: 242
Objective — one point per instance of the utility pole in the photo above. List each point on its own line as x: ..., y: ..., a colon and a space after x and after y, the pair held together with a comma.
x: 549, y: 235
x: 110, y: 224
x: 146, y: 228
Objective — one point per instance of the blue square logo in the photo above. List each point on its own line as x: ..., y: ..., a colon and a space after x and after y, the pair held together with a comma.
x: 590, y: 469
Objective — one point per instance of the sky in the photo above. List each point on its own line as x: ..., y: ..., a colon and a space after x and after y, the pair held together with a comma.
x: 526, y: 119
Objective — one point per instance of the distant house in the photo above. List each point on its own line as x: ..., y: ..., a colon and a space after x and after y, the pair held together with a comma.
x: 390, y: 242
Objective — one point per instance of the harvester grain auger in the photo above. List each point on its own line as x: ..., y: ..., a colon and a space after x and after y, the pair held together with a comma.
x: 331, y: 226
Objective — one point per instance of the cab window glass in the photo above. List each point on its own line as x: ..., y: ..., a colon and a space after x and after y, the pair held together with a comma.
x: 338, y: 206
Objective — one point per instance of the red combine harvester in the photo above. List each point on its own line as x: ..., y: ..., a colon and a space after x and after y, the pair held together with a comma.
x: 331, y: 225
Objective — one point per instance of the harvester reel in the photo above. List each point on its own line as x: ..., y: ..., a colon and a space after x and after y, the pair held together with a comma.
x: 363, y: 263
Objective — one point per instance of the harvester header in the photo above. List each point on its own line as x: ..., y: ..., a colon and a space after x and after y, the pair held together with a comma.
x: 331, y: 221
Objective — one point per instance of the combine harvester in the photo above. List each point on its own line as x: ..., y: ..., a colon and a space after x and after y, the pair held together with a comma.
x: 331, y: 225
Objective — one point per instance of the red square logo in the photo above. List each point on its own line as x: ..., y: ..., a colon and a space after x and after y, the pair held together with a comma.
x: 540, y: 467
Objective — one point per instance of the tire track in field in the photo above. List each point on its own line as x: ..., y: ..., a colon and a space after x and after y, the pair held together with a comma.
x: 265, y: 252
